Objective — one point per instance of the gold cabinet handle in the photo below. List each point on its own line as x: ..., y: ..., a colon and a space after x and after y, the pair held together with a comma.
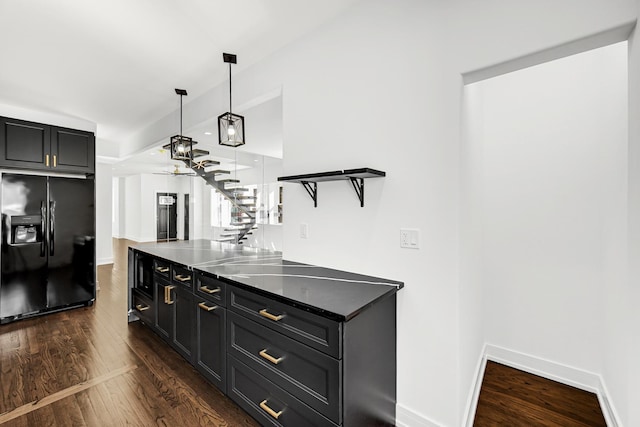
x: 269, y: 411
x: 209, y: 290
x: 270, y: 358
x: 46, y: 160
x: 167, y: 295
x: 265, y: 313
x: 205, y: 307
x: 182, y: 278
x: 162, y: 269
x: 55, y: 161
x: 141, y: 307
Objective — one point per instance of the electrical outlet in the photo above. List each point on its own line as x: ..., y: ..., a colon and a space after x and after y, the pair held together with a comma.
x: 304, y: 231
x: 410, y: 238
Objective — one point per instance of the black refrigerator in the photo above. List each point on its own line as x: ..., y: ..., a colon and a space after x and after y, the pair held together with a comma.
x: 48, y: 244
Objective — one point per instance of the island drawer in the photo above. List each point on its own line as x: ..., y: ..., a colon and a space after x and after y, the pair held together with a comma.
x: 315, y: 331
x: 266, y: 402
x: 182, y: 276
x: 311, y: 376
x: 161, y: 267
x: 210, y: 288
x: 143, y: 307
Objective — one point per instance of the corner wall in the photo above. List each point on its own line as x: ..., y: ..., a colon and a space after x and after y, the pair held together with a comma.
x: 552, y: 204
x: 104, y: 209
x: 380, y: 86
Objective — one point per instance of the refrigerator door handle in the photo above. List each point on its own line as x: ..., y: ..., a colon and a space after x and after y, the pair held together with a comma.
x: 52, y: 229
x: 43, y: 223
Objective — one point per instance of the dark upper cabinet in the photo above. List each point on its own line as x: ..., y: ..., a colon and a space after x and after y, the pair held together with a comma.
x: 72, y: 150
x: 29, y: 145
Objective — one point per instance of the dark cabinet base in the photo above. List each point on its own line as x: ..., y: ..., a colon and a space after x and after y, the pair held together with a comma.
x: 283, y: 365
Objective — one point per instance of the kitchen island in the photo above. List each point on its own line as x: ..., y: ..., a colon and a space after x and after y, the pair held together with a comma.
x: 291, y: 343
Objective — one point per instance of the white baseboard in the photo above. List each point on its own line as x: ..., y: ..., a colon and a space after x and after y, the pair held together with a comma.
x: 406, y: 417
x: 474, y: 392
x: 559, y: 372
x: 103, y: 261
x: 565, y: 374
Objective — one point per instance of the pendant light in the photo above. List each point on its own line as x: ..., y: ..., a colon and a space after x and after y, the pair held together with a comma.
x: 230, y: 126
x: 180, y: 145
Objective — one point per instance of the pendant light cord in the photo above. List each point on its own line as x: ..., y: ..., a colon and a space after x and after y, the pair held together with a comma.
x: 230, y: 112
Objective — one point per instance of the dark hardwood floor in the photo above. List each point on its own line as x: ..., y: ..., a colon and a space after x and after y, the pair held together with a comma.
x: 510, y: 397
x: 87, y: 366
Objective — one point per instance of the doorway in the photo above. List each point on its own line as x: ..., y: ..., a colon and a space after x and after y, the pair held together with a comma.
x: 186, y: 217
x: 167, y: 216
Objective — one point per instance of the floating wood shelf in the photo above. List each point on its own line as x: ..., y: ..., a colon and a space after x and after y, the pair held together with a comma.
x: 355, y: 176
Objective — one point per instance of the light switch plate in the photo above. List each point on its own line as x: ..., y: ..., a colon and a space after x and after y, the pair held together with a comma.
x: 304, y: 231
x: 410, y: 238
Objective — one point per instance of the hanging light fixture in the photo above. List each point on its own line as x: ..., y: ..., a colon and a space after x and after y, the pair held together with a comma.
x: 180, y: 145
x: 230, y: 126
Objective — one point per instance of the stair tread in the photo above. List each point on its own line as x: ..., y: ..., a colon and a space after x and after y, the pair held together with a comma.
x: 202, y: 164
x: 199, y: 153
x: 241, y: 228
x: 229, y: 180
x: 246, y: 197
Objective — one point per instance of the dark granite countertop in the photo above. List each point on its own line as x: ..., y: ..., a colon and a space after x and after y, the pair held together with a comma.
x: 335, y: 294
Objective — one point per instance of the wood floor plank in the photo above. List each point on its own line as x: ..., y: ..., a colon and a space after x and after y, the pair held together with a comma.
x: 75, y: 368
x: 512, y: 397
x: 54, y: 397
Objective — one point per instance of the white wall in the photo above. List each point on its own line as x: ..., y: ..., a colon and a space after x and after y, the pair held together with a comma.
x: 50, y: 118
x: 131, y: 196
x: 122, y: 208
x: 104, y: 209
x: 471, y: 231
x: 622, y: 369
x: 387, y: 78
x: 552, y: 205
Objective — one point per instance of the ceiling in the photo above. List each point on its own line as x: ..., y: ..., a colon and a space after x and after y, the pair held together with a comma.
x: 116, y: 62
x: 263, y: 133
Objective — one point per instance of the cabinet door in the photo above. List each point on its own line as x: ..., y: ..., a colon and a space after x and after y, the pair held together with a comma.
x: 164, y: 310
x: 184, y: 331
x: 210, y: 343
x: 24, y: 144
x: 72, y: 150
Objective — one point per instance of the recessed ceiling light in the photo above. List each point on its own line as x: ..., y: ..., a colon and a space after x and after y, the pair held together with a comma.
x: 207, y: 133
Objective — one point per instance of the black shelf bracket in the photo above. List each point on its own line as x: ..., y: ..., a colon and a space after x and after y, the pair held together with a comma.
x: 355, y: 176
x: 312, y: 190
x: 358, y: 185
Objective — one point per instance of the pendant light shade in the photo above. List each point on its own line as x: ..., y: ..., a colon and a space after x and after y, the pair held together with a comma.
x: 181, y: 146
x: 230, y: 126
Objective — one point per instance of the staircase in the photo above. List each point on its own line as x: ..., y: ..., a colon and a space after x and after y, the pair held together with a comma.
x: 243, y: 210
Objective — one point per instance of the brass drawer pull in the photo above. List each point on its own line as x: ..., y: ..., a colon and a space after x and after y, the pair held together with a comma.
x: 162, y: 269
x: 269, y: 411
x: 270, y: 358
x: 205, y: 307
x: 55, y: 161
x: 182, y: 278
x: 265, y: 313
x: 208, y: 290
x: 167, y: 294
x: 141, y: 307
